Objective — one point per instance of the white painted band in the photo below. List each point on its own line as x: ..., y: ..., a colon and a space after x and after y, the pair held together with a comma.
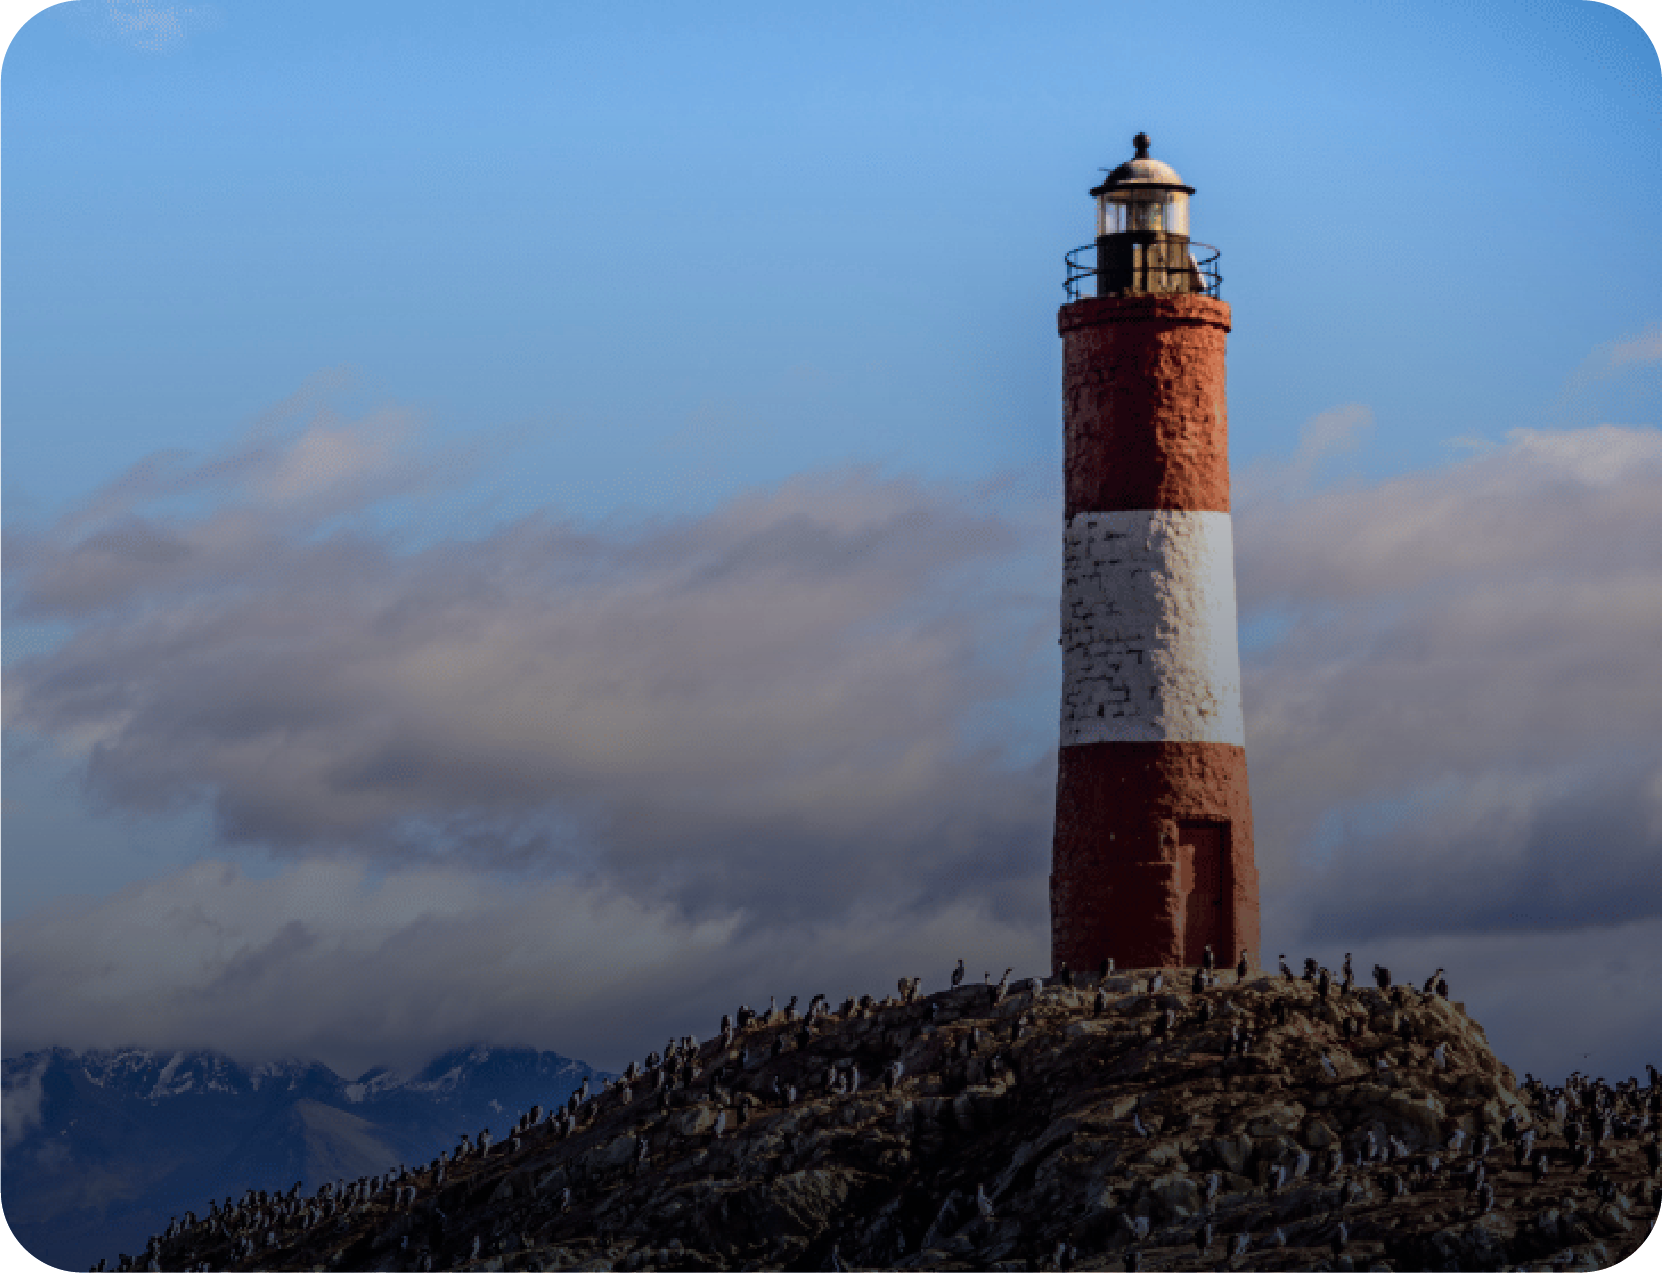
x: 1149, y: 650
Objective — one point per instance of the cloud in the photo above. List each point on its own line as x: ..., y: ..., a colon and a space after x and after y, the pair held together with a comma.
x: 1324, y: 437
x: 151, y: 25
x: 581, y: 785
x: 20, y: 1105
x: 1456, y: 729
x: 1643, y: 348
x: 334, y: 960
x: 767, y: 708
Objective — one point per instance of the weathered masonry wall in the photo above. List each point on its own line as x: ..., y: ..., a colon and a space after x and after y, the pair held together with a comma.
x: 1121, y: 865
x: 1144, y: 404
x: 1149, y: 650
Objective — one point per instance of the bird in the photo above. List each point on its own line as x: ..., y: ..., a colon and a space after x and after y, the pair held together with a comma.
x: 958, y: 975
x: 1206, y: 959
x: 1431, y: 982
x: 1286, y: 971
x: 1241, y: 968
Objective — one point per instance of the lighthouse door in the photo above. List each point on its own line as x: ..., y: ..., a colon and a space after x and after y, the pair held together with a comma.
x: 1205, y: 918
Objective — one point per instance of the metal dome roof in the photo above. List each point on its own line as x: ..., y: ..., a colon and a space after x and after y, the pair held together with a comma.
x: 1141, y: 171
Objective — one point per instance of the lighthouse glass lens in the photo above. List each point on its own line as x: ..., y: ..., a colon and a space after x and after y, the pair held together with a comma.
x: 1148, y: 213
x: 1177, y: 213
x: 1111, y: 218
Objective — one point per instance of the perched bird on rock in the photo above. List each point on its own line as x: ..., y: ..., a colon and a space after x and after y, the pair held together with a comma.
x: 1241, y: 968
x: 958, y: 975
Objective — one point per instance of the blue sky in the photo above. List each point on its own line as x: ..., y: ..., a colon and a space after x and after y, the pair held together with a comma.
x: 472, y: 464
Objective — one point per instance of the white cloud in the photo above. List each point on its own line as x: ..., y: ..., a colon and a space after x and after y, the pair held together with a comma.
x: 20, y: 1105
x: 1644, y: 348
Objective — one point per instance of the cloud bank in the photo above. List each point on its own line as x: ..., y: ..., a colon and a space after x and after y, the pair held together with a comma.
x: 762, y: 710
x: 580, y: 785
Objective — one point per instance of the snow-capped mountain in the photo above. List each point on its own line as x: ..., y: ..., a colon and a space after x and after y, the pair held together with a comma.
x: 101, y: 1148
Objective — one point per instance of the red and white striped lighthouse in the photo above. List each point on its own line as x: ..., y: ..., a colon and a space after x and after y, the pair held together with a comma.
x: 1152, y: 858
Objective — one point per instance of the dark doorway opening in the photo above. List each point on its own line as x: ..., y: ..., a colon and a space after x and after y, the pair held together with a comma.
x: 1206, y: 917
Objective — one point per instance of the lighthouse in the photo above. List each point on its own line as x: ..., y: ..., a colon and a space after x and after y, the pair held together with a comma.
x: 1152, y: 859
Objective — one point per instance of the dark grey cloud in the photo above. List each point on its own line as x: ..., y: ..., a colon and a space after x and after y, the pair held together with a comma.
x: 1459, y: 724
x: 334, y: 959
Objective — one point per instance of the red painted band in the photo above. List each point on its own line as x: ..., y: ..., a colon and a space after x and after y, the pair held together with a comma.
x: 1144, y: 405
x: 1153, y: 856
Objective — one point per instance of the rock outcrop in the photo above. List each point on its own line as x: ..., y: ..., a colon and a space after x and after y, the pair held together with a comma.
x: 1083, y: 1125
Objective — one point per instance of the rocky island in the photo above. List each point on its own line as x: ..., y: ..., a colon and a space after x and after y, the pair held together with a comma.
x: 1138, y: 1119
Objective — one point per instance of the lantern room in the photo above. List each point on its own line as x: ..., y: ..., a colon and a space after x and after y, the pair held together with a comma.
x: 1142, y: 233
x: 1142, y: 196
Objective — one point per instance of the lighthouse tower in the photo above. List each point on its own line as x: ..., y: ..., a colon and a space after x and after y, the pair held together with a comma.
x: 1152, y: 859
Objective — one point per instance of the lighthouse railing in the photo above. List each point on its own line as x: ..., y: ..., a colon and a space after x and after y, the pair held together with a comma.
x: 1200, y: 277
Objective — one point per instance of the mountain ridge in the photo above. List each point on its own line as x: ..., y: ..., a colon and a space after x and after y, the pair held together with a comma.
x: 102, y: 1146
